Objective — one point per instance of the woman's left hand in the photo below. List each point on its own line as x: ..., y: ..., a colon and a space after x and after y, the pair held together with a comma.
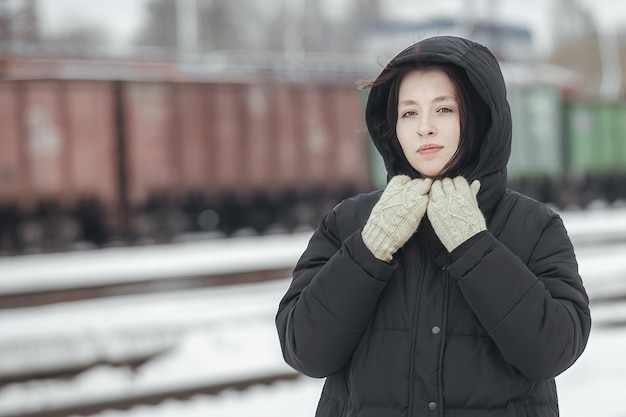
x: 453, y: 211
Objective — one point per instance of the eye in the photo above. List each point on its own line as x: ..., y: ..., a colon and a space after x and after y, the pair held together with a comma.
x: 408, y: 114
x: 445, y: 110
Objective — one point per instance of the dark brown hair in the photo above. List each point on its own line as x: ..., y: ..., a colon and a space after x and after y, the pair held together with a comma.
x: 474, y: 114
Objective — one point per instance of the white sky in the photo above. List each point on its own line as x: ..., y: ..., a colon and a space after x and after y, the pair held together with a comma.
x: 122, y: 17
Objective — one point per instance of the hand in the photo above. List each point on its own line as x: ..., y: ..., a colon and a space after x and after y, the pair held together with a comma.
x: 396, y: 216
x: 453, y: 211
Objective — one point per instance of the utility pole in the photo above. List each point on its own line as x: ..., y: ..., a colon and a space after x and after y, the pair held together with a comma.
x: 295, y: 28
x: 469, y: 16
x: 187, y: 27
x: 494, y: 28
x: 19, y: 21
x: 611, y: 85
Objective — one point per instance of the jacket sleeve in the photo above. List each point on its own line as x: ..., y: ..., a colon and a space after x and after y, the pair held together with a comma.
x: 335, y: 288
x: 537, y: 312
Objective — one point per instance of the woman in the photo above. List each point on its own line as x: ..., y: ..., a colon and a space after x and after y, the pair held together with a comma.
x: 446, y: 294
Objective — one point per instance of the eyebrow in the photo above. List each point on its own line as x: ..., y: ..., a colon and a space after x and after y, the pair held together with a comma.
x: 435, y: 100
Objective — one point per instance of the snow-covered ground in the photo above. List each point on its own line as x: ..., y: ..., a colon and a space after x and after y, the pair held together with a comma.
x: 39, y: 272
x: 221, y: 334
x: 594, y: 386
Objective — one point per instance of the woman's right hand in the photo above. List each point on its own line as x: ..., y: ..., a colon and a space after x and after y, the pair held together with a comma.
x: 453, y: 211
x: 396, y: 216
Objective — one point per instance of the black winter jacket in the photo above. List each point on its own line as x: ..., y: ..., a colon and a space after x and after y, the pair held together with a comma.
x: 482, y: 331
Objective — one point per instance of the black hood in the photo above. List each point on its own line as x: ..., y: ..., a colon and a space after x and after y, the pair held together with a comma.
x: 483, y: 71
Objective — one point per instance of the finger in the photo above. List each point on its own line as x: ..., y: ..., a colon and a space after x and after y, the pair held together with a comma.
x: 436, y: 190
x: 421, y: 186
x: 460, y: 183
x: 448, y: 186
x: 398, y: 181
x: 475, y: 187
x: 462, y: 187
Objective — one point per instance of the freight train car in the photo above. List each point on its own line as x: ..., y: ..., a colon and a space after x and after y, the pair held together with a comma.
x: 125, y: 161
x: 567, y: 152
x: 58, y: 162
x: 596, y: 150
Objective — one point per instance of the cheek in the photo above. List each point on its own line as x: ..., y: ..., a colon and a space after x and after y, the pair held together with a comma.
x: 401, y: 134
x: 399, y: 131
x: 454, y: 137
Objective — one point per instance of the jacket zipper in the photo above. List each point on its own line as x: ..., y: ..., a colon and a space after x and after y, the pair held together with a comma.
x: 414, y: 330
x: 444, y: 326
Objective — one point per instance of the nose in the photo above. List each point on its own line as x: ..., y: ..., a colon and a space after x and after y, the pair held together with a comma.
x: 425, y: 127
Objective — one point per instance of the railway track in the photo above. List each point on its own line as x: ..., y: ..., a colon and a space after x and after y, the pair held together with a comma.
x: 37, y: 280
x: 34, y: 298
x: 154, y: 398
x: 64, y: 314
x: 131, y: 334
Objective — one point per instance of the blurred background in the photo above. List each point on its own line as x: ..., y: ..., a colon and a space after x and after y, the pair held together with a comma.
x: 163, y: 164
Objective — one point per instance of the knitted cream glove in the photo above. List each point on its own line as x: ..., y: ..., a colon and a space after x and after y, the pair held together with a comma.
x: 453, y: 211
x: 396, y: 215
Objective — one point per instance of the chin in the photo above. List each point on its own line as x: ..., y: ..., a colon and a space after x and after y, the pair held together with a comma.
x: 430, y: 173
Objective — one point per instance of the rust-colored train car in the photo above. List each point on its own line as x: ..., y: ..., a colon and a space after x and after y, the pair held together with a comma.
x: 101, y: 161
x: 58, y: 159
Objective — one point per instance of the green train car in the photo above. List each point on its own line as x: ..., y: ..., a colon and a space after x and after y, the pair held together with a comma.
x: 538, y: 155
x: 566, y: 152
x: 596, y: 140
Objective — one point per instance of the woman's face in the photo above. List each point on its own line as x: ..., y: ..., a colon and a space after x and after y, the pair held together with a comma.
x: 429, y: 122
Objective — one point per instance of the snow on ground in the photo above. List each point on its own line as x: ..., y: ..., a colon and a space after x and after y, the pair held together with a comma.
x: 594, y: 386
x: 224, y: 333
x: 593, y: 226
x: 124, y: 327
x: 40, y: 272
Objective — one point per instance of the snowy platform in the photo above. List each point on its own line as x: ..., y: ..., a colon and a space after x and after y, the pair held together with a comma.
x: 126, y: 265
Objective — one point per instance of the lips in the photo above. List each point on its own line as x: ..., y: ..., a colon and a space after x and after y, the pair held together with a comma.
x: 429, y: 148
